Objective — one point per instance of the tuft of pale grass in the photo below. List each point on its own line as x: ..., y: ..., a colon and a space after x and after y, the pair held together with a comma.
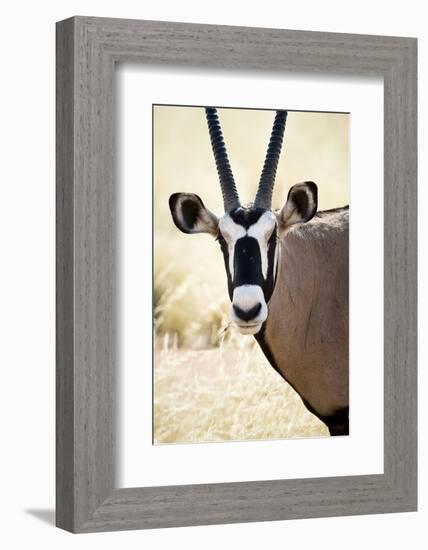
x: 191, y: 300
x: 224, y: 394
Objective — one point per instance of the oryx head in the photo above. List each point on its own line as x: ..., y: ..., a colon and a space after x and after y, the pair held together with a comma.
x: 247, y: 234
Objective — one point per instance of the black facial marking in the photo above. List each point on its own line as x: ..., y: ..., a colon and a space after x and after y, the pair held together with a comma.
x: 225, y: 250
x: 247, y: 315
x: 247, y: 261
x: 246, y: 216
x: 271, y: 276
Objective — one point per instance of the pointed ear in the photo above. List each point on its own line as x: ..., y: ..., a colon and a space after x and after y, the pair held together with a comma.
x: 301, y: 205
x: 190, y: 215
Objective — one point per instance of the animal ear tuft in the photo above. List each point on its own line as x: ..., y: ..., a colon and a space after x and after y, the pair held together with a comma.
x: 301, y: 205
x: 190, y: 215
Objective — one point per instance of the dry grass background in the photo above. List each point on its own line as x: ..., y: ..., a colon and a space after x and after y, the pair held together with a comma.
x: 210, y: 383
x: 225, y: 393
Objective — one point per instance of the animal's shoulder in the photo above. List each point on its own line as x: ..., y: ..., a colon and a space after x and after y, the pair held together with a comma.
x: 320, y: 244
x: 336, y: 218
x: 325, y: 224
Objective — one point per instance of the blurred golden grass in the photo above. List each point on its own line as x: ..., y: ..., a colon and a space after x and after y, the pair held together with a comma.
x: 188, y: 307
x: 226, y: 394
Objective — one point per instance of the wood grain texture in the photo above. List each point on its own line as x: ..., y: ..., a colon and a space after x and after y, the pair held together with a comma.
x: 64, y: 278
x: 87, y: 49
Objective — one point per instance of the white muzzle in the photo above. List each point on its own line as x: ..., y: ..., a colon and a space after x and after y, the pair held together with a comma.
x: 249, y: 309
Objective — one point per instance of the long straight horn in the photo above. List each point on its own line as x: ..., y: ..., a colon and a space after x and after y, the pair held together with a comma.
x: 267, y: 179
x: 227, y: 182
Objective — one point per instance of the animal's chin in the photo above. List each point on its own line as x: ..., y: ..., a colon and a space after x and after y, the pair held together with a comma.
x: 248, y: 328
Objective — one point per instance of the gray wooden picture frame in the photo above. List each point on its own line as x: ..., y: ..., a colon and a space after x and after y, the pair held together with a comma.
x: 87, y: 50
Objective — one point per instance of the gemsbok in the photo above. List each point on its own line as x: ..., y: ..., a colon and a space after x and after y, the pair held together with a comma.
x: 287, y: 276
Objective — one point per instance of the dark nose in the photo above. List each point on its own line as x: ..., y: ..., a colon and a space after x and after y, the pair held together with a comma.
x: 247, y: 314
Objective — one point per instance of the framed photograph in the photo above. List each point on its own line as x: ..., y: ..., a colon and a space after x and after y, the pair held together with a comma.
x: 236, y: 274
